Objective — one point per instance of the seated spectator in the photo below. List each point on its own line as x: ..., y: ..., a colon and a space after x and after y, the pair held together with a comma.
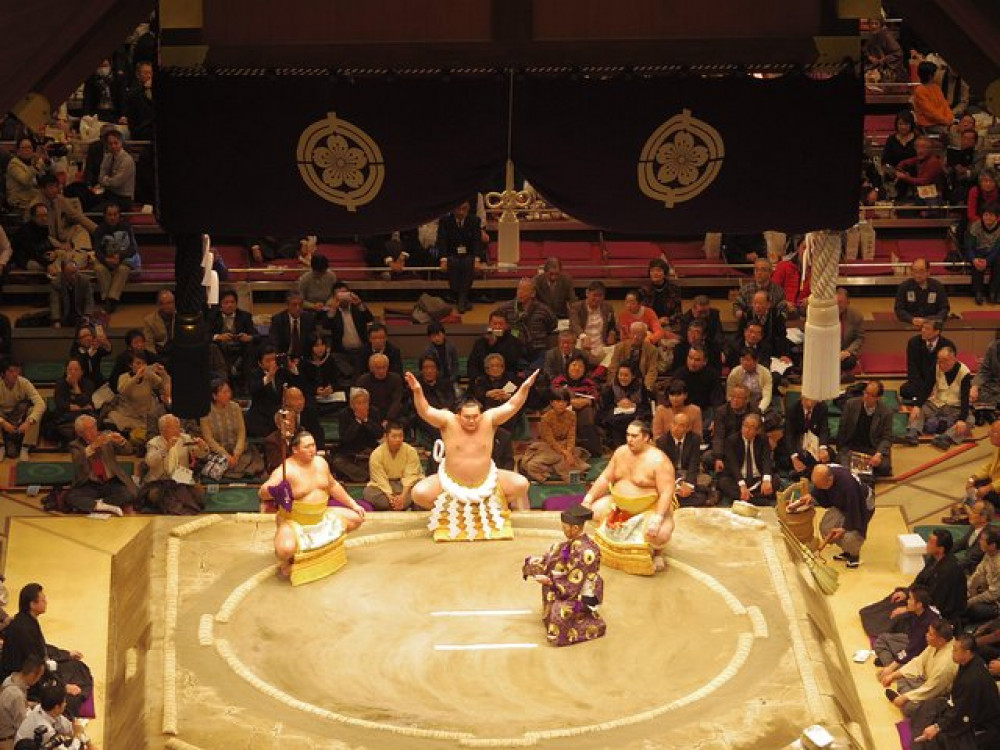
x: 496, y: 340
x: 921, y: 361
x: 947, y: 411
x: 33, y: 247
x: 135, y: 342
x: 757, y: 379
x: 968, y: 550
x: 983, y: 194
x: 556, y: 452
x: 749, y: 338
x: 393, y: 467
x: 90, y: 346
x: 73, y: 395
x: 743, y: 249
x: 984, y: 583
x: 807, y: 424
x: 985, y: 391
x: 100, y: 484
x: 970, y: 718
x: 554, y: 289
x: 662, y: 295
x: 788, y: 275
x: 360, y: 429
x: 440, y: 394
x: 69, y: 227
x: 988, y: 642
x: 14, y: 697
x: 623, y: 401
x: 116, y: 178
x: 640, y: 354
x: 387, y: 252
x: 496, y: 385
x: 683, y: 448
x: 72, y: 297
x: 962, y: 164
x: 158, y: 327
x: 899, y: 146
x: 348, y: 320
x: 104, y: 93
x: 636, y: 312
x: 316, y: 285
x: 462, y: 251
x: 593, y: 322
x: 296, y: 415
x: 142, y: 396
x: 866, y: 427
x: 225, y: 433
x: 694, y: 335
x: 557, y: 358
x: 378, y: 343
x: 386, y: 389
x: 676, y: 403
x: 761, y: 282
x: 929, y: 675
x: 703, y: 384
x: 169, y: 483
x: 442, y: 351
x: 584, y: 399
x: 267, y: 384
x: 23, y: 171
x: 116, y: 255
x: 930, y: 108
x: 291, y: 327
x: 883, y: 57
x: 921, y: 179
x: 530, y: 320
x: 322, y: 374
x: 139, y: 111
x: 941, y: 576
x: 235, y: 336
x: 747, y: 465
x: 701, y: 310
x: 982, y: 250
x: 21, y: 410
x: 265, y: 249
x: 894, y: 649
x: 852, y: 333
x: 729, y: 421
x: 774, y: 335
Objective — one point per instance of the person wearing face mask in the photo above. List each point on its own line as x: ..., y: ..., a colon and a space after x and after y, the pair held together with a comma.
x: 104, y: 94
x: 497, y: 340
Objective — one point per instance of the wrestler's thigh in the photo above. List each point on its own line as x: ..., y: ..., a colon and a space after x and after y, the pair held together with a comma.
x: 602, y: 507
x: 515, y: 489
x: 426, y: 491
x: 285, y: 542
x: 350, y: 518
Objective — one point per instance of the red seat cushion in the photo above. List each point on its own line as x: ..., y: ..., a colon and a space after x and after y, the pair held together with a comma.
x: 881, y: 363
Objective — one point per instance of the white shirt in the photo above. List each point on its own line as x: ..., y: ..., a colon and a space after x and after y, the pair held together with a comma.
x: 351, y: 338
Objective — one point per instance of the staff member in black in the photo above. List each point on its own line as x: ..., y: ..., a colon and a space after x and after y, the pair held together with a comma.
x: 460, y: 241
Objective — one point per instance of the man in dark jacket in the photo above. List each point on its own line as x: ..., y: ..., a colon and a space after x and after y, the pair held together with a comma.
x: 849, y: 507
x: 459, y: 239
x: 866, y: 427
x: 748, y: 469
x: 921, y: 361
x: 71, y: 298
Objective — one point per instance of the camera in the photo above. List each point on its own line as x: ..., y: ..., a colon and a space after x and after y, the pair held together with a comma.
x: 56, y: 150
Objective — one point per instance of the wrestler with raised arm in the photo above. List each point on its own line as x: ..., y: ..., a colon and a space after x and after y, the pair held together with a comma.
x: 468, y: 467
x: 302, y: 489
x: 638, y: 481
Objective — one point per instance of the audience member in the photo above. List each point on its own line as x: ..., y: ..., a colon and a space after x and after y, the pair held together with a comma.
x: 459, y: 240
x: 140, y: 113
x: 100, y: 484
x: 225, y: 433
x: 852, y: 333
x: 116, y: 255
x: 921, y: 361
x: 90, y: 347
x: 636, y: 312
x: 322, y: 374
x: 807, y: 430
x: 694, y: 335
x: 21, y: 410
x: 291, y: 327
x: 554, y: 288
x: 496, y: 385
x: 72, y: 298
x: 662, y: 295
x: 557, y: 358
x: 788, y: 274
x: 584, y: 400
x: 158, y: 327
x: 921, y: 178
x: 33, y: 247
x: 169, y: 483
x: 947, y: 411
x: 68, y: 225
x: 360, y: 430
x: 6, y: 254
x: 264, y: 249
x: 899, y: 144
x: 984, y: 193
x: 985, y: 389
x: 135, y: 342
x: 593, y: 322
x: 639, y: 353
x: 774, y: 334
x: 982, y: 250
x: 703, y: 383
x: 442, y: 351
x: 104, y: 93
x: 984, y: 583
x: 894, y: 649
x: 623, y: 401
x: 749, y: 338
x: 927, y: 676
x: 530, y: 320
x: 968, y: 550
x: 743, y: 249
x: 14, y: 697
x: 142, y: 395
x: 349, y: 321
x: 866, y: 428
x: 761, y: 282
x: 392, y: 253
x: 385, y: 388
x: 883, y: 55
x: 930, y: 108
x: 757, y: 379
x: 683, y: 448
x: 748, y: 465
x: 393, y: 467
x: 728, y: 420
x: 676, y: 402
x: 296, y: 415
x: 962, y: 163
x: 73, y: 395
x: 49, y: 720
x: 316, y: 285
x: 440, y: 394
x: 556, y: 452
x: 23, y: 171
x: 701, y: 310
x: 496, y: 340
x: 116, y: 179
x: 235, y: 335
x: 378, y: 343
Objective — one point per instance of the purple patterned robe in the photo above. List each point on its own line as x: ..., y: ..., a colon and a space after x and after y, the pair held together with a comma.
x: 574, y: 567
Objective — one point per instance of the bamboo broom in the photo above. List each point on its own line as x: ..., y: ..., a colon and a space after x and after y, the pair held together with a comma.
x: 826, y: 577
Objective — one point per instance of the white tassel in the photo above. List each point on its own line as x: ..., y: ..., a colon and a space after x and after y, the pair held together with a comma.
x: 470, y: 522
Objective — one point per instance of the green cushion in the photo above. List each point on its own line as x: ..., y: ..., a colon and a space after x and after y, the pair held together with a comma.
x: 958, y: 532
x: 232, y: 500
x: 43, y: 372
x: 331, y: 429
x: 597, y: 465
x: 51, y: 472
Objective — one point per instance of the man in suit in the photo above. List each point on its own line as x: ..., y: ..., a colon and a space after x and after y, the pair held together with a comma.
x: 748, y: 465
x: 158, y: 327
x: 100, y: 484
x: 67, y: 222
x: 749, y: 338
x: 728, y: 421
x: 921, y: 361
x: 235, y: 335
x: 291, y: 327
x: 496, y: 340
x: 968, y: 551
x: 558, y: 357
x: 71, y: 298
x: 808, y: 415
x: 593, y: 322
x: 852, y: 333
x: 639, y: 353
x: 702, y: 311
x: 694, y: 335
x: 463, y: 253
x: 378, y: 343
x: 349, y: 323
x: 385, y: 389
x: 267, y: 385
x: 866, y: 427
x: 684, y: 451
x: 774, y: 338
x: 920, y: 298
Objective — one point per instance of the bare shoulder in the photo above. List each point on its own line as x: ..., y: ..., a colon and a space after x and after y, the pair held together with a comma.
x: 653, y: 456
x: 320, y: 465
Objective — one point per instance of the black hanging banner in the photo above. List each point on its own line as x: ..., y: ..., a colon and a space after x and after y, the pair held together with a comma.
x: 249, y: 154
x: 686, y: 155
